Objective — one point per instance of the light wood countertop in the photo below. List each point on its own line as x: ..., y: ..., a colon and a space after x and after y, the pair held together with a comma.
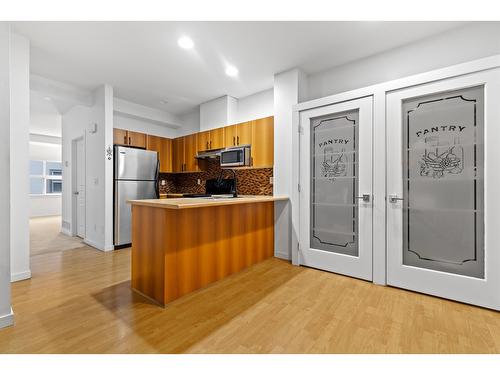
x: 180, y: 203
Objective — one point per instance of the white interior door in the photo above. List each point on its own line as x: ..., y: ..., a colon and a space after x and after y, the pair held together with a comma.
x: 443, y: 180
x: 80, y: 188
x: 336, y: 188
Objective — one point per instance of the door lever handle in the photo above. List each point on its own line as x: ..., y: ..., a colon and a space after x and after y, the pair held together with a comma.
x: 364, y: 197
x: 394, y: 198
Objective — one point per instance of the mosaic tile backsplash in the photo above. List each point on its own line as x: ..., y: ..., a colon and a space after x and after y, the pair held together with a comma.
x: 250, y: 181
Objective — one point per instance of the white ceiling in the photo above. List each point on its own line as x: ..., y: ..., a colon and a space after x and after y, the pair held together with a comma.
x: 45, y: 117
x: 143, y: 63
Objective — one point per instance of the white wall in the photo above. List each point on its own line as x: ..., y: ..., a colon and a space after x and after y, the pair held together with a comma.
x: 473, y: 41
x: 45, y: 205
x: 44, y: 116
x: 19, y: 141
x: 218, y: 112
x: 6, y: 315
x: 289, y: 88
x: 128, y: 123
x: 227, y: 110
x: 190, y: 123
x: 78, y: 122
x: 258, y: 105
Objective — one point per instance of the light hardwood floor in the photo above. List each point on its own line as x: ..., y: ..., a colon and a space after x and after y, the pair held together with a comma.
x: 80, y: 301
x: 46, y: 236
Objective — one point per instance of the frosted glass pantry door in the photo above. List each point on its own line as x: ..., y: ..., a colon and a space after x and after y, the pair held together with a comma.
x: 437, y: 205
x: 336, y: 188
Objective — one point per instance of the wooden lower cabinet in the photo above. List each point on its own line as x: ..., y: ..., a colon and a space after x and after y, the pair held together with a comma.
x: 263, y: 142
x: 164, y: 148
x: 177, y: 251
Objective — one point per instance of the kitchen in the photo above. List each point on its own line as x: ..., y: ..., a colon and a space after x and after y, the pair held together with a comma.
x: 191, y: 171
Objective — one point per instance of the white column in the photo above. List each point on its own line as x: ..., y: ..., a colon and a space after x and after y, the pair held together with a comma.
x: 19, y: 156
x: 6, y: 315
x: 108, y: 168
x: 289, y: 89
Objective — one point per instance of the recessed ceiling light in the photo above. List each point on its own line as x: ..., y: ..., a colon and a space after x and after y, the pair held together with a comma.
x: 47, y: 98
x: 185, y: 42
x: 231, y: 71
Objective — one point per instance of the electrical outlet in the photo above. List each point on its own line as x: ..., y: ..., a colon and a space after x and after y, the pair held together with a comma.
x: 163, y: 182
x: 271, y: 180
x: 199, y: 182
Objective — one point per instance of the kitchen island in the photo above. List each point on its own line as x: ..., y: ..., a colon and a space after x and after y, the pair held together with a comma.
x: 181, y: 245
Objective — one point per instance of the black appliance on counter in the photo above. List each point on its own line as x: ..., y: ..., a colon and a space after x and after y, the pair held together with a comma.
x: 217, y: 187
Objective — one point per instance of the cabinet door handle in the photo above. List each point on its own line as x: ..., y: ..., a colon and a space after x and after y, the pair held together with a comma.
x: 238, y: 140
x: 234, y: 141
x: 207, y: 145
x: 129, y: 141
x: 125, y: 139
x: 210, y: 144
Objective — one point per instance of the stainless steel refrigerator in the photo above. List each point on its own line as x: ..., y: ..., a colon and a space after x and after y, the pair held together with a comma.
x: 135, y: 177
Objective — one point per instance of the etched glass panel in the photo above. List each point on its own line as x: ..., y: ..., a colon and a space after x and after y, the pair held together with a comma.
x: 443, y: 224
x: 334, y: 174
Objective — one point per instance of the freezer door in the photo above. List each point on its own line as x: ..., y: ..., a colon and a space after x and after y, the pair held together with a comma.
x: 124, y: 191
x: 135, y: 164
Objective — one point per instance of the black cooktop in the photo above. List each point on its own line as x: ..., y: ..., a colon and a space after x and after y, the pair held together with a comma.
x: 216, y: 186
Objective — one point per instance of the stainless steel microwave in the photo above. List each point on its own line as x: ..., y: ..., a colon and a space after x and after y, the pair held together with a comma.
x: 235, y: 156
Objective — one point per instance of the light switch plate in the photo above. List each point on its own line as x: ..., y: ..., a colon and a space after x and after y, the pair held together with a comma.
x: 163, y: 182
x: 271, y: 180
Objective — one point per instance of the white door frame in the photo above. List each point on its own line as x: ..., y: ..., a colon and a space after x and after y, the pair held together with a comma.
x: 359, y: 266
x: 378, y: 92
x: 74, y: 179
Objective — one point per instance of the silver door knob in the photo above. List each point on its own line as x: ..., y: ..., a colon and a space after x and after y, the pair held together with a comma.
x: 365, y: 197
x: 394, y: 198
x: 76, y: 193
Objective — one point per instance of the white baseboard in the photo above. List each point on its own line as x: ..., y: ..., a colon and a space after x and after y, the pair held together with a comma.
x: 7, y: 320
x: 20, y: 276
x: 98, y: 246
x: 67, y: 232
x: 284, y: 256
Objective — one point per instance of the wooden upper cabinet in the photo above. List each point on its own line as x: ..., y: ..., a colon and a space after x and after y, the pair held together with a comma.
x: 129, y: 138
x: 120, y: 137
x: 136, y: 139
x: 178, y: 154
x: 164, y: 148
x: 204, y: 140
x: 263, y: 142
x: 244, y: 133
x: 190, y: 151
x: 216, y: 138
x: 230, y: 136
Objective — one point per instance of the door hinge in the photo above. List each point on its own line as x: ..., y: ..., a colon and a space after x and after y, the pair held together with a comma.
x: 301, y: 129
x: 298, y: 187
x: 298, y: 247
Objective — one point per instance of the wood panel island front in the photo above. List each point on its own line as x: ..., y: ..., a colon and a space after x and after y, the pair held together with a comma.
x: 181, y: 245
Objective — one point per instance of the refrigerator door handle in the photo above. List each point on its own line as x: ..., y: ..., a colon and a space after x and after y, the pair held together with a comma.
x: 157, y: 176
